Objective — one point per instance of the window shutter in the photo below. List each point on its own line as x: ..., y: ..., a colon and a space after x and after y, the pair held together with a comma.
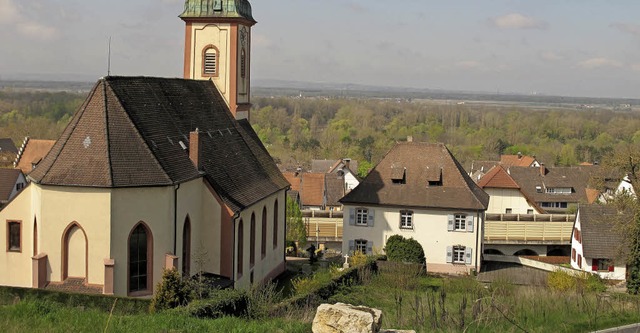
x: 450, y: 223
x: 372, y: 214
x: 467, y: 255
x: 352, y: 216
x: 449, y: 254
x: 594, y: 265
x: 611, y: 267
x: 369, y: 247
x: 352, y: 246
x: 469, y: 223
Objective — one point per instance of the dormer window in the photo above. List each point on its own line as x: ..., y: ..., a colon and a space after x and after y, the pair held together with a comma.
x: 559, y: 190
x: 399, y: 175
x: 210, y: 61
x: 434, y: 176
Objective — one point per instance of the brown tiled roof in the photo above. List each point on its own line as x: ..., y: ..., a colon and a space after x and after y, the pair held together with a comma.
x: 497, y: 177
x: 294, y: 179
x: 601, y: 231
x: 8, y: 178
x: 334, y: 188
x: 312, y: 189
x: 516, y: 160
x: 128, y: 133
x: 7, y: 146
x: 592, y: 195
x: 458, y: 191
x: 576, y: 177
x: 32, y: 154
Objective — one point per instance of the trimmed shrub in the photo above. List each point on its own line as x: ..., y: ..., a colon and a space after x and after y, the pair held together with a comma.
x: 403, y: 249
x: 171, y: 292
x: 225, y: 302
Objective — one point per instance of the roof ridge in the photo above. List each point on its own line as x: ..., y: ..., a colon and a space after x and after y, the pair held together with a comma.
x: 106, y: 131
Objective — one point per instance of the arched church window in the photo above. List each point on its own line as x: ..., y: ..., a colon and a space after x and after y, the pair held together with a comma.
x: 140, y: 259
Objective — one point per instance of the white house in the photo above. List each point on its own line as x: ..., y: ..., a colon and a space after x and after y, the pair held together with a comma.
x: 418, y: 190
x: 506, y: 196
x: 597, y: 244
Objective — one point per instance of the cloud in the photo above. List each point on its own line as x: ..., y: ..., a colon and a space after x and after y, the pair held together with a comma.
x: 636, y: 67
x: 550, y: 56
x: 8, y: 11
x: 516, y: 21
x: 470, y: 64
x: 632, y: 29
x: 594, y: 63
x: 12, y: 15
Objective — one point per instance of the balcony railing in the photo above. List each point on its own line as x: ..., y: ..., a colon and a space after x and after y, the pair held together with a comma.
x: 528, y: 228
x: 323, y: 225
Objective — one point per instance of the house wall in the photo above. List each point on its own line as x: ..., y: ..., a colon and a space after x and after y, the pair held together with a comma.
x: 430, y: 230
x: 350, y: 181
x: 576, y: 246
x: 15, y: 267
x: 20, y: 180
x: 501, y: 199
x: 273, y: 263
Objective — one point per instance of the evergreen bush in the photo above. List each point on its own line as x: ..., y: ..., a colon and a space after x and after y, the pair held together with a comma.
x: 403, y: 249
x: 171, y: 292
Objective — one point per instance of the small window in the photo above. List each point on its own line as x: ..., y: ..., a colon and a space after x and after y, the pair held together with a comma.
x: 14, y: 241
x: 19, y: 186
x: 602, y: 265
x: 460, y: 222
x: 361, y: 216
x: 529, y: 211
x: 361, y: 246
x: 458, y: 254
x: 508, y: 211
x: 579, y: 260
x: 406, y: 219
x: 210, y: 61
x: 243, y: 63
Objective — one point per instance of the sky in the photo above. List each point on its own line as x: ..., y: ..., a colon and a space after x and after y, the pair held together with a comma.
x: 569, y: 47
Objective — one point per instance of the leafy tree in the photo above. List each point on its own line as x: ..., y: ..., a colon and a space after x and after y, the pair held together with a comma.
x: 296, y: 231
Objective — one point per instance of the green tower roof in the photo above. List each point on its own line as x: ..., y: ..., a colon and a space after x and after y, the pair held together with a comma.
x: 217, y: 9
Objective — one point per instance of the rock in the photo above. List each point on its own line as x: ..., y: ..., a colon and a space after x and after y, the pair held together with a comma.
x: 346, y: 318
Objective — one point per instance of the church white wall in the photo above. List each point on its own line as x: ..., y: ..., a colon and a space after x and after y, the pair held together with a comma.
x: 219, y: 35
x: 15, y: 267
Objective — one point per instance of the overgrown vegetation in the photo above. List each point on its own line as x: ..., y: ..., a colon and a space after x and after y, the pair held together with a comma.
x: 171, y: 292
x: 295, y: 225
x: 565, y: 282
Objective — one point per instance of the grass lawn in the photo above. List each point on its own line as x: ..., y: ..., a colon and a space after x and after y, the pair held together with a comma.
x: 36, y: 316
x: 408, y: 300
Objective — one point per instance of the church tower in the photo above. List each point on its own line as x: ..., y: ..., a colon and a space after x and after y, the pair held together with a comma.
x: 218, y: 47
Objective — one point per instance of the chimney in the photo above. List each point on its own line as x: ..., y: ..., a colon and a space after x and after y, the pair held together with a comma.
x: 195, y: 148
x: 519, y: 155
x: 543, y: 170
x: 347, y: 162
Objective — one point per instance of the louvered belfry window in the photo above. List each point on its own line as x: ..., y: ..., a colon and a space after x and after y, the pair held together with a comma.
x: 210, y: 62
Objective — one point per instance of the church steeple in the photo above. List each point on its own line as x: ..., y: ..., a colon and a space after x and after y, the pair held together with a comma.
x: 218, y: 47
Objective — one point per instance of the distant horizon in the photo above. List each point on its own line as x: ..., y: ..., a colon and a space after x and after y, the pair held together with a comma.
x: 286, y: 84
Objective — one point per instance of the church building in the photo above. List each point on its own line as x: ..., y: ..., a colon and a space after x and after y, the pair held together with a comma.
x: 155, y: 173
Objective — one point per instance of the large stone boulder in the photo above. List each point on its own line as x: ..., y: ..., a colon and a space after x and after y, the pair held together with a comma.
x: 346, y: 318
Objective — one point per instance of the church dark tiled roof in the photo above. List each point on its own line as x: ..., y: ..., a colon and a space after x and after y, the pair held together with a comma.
x: 433, y: 178
x: 133, y: 131
x: 239, y: 9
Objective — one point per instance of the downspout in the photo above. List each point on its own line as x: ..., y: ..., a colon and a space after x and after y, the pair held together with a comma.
x: 234, y: 218
x: 175, y: 218
x: 284, y: 236
x: 480, y: 229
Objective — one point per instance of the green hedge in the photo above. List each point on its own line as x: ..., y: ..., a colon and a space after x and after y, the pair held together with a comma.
x: 125, y: 305
x: 225, y: 302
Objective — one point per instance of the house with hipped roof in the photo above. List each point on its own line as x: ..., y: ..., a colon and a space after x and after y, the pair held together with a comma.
x: 418, y: 190
x: 150, y: 173
x: 598, y: 243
